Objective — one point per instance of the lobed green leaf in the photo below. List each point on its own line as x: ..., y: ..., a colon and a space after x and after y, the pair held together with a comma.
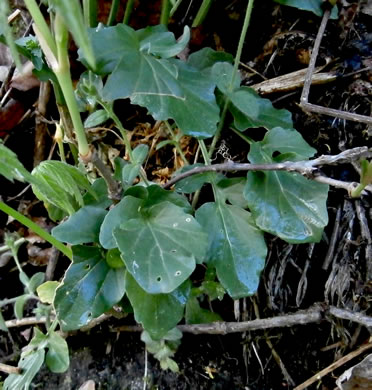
x: 236, y: 247
x: 90, y: 287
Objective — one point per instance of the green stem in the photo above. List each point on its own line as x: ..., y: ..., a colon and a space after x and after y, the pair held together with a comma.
x: 123, y: 132
x: 207, y: 161
x: 90, y: 12
x: 36, y: 229
x: 41, y: 24
x: 202, y: 13
x: 165, y: 12
x: 6, y: 248
x: 241, y: 135
x: 175, y: 7
x: 62, y: 71
x: 113, y: 12
x: 239, y: 50
x: 128, y: 11
x: 177, y: 144
x: 355, y: 193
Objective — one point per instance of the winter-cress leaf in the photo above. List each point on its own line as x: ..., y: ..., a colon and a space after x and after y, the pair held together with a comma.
x: 158, y: 313
x: 285, y: 204
x: 82, y: 227
x: 90, y: 287
x: 160, y: 246
x: 236, y: 247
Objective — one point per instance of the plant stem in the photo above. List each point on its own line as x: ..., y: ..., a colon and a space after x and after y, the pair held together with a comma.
x: 177, y: 144
x: 41, y: 24
x: 202, y: 13
x: 239, y: 50
x: 165, y: 12
x: 128, y: 11
x: 90, y: 12
x: 207, y: 160
x: 113, y: 116
x: 243, y: 136
x: 175, y: 7
x: 36, y: 229
x: 63, y: 75
x: 113, y: 12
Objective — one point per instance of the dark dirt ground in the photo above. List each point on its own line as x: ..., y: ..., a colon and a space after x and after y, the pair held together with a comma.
x: 294, y: 278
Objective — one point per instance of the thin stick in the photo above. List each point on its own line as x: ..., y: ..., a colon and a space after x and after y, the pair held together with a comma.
x: 304, y: 101
x: 333, y: 366
x: 10, y: 369
x: 306, y: 168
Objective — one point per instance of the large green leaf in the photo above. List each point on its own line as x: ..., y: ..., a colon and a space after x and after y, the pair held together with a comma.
x: 236, y: 247
x: 57, y: 358
x: 158, y: 313
x: 139, y: 68
x: 82, y: 227
x: 285, y: 204
x: 30, y: 364
x: 314, y: 6
x: 60, y: 184
x: 89, y: 288
x: 160, y: 246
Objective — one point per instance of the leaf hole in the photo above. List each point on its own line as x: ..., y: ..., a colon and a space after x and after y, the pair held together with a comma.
x: 87, y: 267
x: 174, y: 250
x: 188, y: 219
x: 158, y: 279
x: 276, y: 153
x: 89, y: 315
x: 178, y: 273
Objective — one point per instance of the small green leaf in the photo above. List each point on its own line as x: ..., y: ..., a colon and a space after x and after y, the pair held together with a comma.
x: 195, y: 182
x: 96, y: 118
x: 125, y: 210
x: 236, y: 247
x: 250, y: 110
x: 98, y: 197
x: 366, y: 174
x: 196, y: 315
x: 160, y: 246
x: 157, y: 195
x: 36, y: 281
x: 46, y: 291
x: 140, y: 153
x: 207, y: 57
x: 158, y: 313
x: 232, y: 190
x: 60, y: 184
x: 30, y: 363
x: 285, y: 204
x: 11, y: 167
x: 82, y: 227
x: 113, y: 258
x: 90, y: 287
x: 57, y: 358
x: 19, y: 305
x: 314, y: 6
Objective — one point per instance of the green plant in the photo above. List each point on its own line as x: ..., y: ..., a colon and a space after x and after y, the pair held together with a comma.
x: 147, y: 243
x: 34, y: 354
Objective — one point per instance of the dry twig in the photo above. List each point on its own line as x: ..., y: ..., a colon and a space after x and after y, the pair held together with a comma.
x: 333, y: 366
x: 307, y: 168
